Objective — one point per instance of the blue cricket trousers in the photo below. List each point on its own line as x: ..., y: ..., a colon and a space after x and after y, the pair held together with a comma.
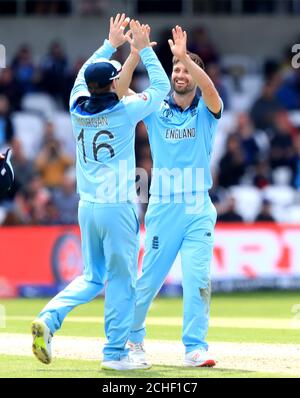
x: 110, y: 244
x: 170, y: 228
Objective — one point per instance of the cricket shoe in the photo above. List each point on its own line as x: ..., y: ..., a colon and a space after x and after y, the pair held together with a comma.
x: 137, y: 352
x: 199, y: 358
x: 41, y: 346
x: 125, y: 363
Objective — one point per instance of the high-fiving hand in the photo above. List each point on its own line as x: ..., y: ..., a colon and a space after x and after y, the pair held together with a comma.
x: 178, y: 44
x: 134, y: 50
x: 140, y: 35
x: 116, y: 36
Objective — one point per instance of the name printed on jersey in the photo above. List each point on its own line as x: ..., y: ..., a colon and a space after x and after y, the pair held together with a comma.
x: 92, y: 121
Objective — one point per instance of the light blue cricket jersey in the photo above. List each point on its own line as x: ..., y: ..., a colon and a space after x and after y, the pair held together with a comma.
x: 105, y: 159
x: 181, y: 144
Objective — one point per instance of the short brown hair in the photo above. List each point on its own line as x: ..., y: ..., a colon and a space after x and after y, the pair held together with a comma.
x: 194, y: 57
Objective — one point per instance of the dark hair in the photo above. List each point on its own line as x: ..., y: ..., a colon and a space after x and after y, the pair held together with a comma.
x: 94, y: 88
x: 194, y: 57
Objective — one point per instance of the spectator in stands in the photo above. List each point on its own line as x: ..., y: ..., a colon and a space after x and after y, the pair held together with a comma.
x: 42, y: 210
x: 52, y: 163
x: 49, y: 133
x: 255, y: 143
x: 230, y: 214
x: 202, y: 45
x: 6, y: 126
x: 264, y: 108
x: 70, y: 77
x: 34, y: 204
x: 24, y: 168
x: 214, y: 72
x: 24, y: 70
x: 54, y: 71
x: 10, y: 88
x: 282, y: 151
x: 232, y: 165
x: 262, y: 174
x: 21, y: 211
x: 65, y: 199
x: 296, y: 163
x: 245, y: 130
x: 265, y: 214
x: 288, y: 93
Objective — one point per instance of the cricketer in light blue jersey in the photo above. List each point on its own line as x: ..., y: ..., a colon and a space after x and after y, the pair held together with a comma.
x: 181, y: 142
x: 104, y: 130
x: 105, y: 160
x: 180, y: 216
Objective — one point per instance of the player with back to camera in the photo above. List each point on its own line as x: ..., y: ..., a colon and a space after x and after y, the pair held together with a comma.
x: 104, y: 130
x: 180, y: 217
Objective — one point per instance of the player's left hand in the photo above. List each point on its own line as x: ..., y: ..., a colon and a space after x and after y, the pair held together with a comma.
x: 134, y: 51
x: 117, y: 27
x: 178, y: 44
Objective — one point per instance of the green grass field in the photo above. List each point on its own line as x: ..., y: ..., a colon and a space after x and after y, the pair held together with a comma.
x: 256, y: 317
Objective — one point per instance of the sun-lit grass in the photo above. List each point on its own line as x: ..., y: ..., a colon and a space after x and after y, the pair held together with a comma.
x: 255, y: 305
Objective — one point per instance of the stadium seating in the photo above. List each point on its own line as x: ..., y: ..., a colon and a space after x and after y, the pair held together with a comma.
x: 294, y: 117
x: 226, y: 125
x: 292, y: 215
x: 29, y: 129
x: 282, y: 199
x: 39, y: 103
x: 63, y: 131
x: 248, y: 201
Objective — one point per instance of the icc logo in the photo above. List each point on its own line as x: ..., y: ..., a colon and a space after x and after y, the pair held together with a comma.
x: 2, y: 56
x: 296, y: 57
x: 167, y: 113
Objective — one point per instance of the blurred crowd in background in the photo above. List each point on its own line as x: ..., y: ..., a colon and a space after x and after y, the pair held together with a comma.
x: 256, y: 160
x: 94, y: 7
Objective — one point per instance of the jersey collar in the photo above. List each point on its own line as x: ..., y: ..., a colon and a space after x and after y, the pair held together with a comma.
x: 171, y: 102
x: 98, y: 103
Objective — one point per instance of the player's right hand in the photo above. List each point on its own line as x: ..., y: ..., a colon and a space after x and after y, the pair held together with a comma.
x: 178, y: 44
x: 117, y: 27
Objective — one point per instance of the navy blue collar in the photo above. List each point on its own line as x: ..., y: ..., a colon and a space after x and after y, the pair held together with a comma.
x: 172, y: 103
x: 97, y: 103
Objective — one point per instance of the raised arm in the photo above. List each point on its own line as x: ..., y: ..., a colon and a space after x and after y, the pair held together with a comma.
x: 141, y: 105
x: 209, y: 93
x: 130, y: 65
x: 128, y: 68
x: 116, y: 38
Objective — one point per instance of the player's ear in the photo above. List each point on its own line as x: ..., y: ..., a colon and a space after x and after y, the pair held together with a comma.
x: 114, y: 84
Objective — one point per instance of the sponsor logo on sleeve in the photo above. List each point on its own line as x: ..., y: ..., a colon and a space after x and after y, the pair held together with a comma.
x: 143, y: 96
